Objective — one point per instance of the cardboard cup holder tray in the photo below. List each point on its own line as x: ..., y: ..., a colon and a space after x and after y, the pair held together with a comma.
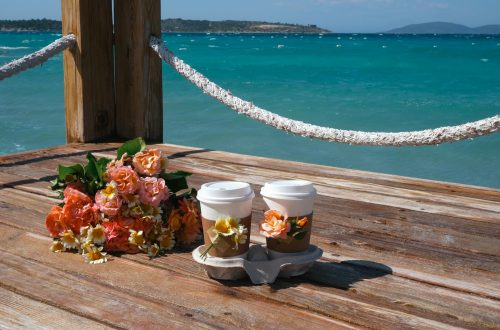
x: 259, y: 263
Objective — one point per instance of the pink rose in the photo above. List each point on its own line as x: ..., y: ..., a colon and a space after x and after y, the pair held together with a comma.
x: 148, y: 162
x: 152, y: 191
x: 108, y: 204
x: 127, y: 181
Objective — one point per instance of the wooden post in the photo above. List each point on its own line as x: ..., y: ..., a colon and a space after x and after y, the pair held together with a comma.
x: 138, y: 70
x: 88, y: 70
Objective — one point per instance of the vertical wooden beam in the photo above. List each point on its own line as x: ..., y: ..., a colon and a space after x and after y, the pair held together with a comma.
x: 139, y: 105
x: 88, y: 70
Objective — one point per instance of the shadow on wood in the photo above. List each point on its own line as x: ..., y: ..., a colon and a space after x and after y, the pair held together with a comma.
x: 341, y: 275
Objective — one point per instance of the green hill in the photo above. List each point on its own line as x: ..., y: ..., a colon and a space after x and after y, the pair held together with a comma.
x: 176, y: 25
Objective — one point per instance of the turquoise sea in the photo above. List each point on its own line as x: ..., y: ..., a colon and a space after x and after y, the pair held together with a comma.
x: 352, y: 81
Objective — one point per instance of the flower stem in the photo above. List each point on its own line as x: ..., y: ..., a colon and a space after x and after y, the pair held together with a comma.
x: 205, y: 253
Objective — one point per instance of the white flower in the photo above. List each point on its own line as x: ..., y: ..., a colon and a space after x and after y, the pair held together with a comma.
x: 69, y: 240
x: 96, y: 234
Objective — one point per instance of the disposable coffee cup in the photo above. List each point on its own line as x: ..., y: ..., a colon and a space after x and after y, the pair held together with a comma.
x: 294, y: 199
x: 224, y: 199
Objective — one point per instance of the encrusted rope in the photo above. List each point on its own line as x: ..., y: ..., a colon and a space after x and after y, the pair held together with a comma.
x: 36, y: 58
x: 414, y: 138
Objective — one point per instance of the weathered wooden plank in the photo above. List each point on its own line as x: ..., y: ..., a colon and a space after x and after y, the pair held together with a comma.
x: 198, y: 300
x: 473, y: 209
x: 336, y: 172
x: 446, y: 230
x: 400, y: 253
x: 360, y: 283
x: 440, y: 261
x: 88, y: 70
x: 415, y: 197
x: 139, y: 102
x: 20, y: 312
x: 451, y: 189
x: 447, y: 238
x: 89, y: 298
x: 412, y: 296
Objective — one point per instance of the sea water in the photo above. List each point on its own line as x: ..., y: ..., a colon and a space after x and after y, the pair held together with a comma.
x: 366, y: 82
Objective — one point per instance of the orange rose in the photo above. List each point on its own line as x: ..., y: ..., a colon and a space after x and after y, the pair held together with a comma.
x: 274, y: 226
x: 174, y: 220
x: 148, y: 162
x: 302, y: 222
x: 190, y: 230
x: 126, y: 179
x: 78, y: 210
x: 54, y: 223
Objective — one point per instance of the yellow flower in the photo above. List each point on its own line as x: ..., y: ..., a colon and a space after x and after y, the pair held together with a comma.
x: 96, y: 235
x: 94, y: 255
x: 136, y: 238
x: 226, y: 226
x: 57, y: 246
x: 86, y: 246
x: 166, y: 240
x: 110, y: 190
x: 153, y: 250
x: 69, y: 239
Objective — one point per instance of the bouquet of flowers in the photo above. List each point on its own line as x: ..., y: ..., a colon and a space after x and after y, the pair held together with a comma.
x: 126, y: 205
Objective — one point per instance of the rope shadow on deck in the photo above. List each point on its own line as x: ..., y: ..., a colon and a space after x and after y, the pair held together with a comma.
x: 48, y: 157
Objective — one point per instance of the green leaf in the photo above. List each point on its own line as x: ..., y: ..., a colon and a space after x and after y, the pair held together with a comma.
x: 176, y: 181
x: 101, y: 167
x: 131, y: 147
x: 299, y: 234
x: 76, y: 171
x: 91, y: 172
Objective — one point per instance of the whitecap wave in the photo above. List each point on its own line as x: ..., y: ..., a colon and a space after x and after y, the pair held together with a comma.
x: 12, y: 48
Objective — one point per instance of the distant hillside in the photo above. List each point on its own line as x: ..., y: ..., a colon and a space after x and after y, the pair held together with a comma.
x: 183, y: 25
x: 445, y: 28
x: 176, y: 25
x: 30, y: 25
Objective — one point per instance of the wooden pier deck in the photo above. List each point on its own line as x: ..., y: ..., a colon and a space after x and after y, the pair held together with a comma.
x: 399, y: 253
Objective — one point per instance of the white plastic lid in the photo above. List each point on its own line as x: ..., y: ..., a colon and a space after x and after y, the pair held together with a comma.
x: 288, y: 189
x: 224, y: 192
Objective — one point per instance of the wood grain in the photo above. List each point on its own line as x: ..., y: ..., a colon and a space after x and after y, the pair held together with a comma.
x: 138, y: 69
x: 398, y: 253
x: 88, y: 70
x: 20, y: 312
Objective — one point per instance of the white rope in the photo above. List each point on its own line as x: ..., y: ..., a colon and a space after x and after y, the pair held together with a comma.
x: 36, y: 58
x: 414, y: 138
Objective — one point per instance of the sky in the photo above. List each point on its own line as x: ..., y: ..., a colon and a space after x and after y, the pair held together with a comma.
x: 335, y: 15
